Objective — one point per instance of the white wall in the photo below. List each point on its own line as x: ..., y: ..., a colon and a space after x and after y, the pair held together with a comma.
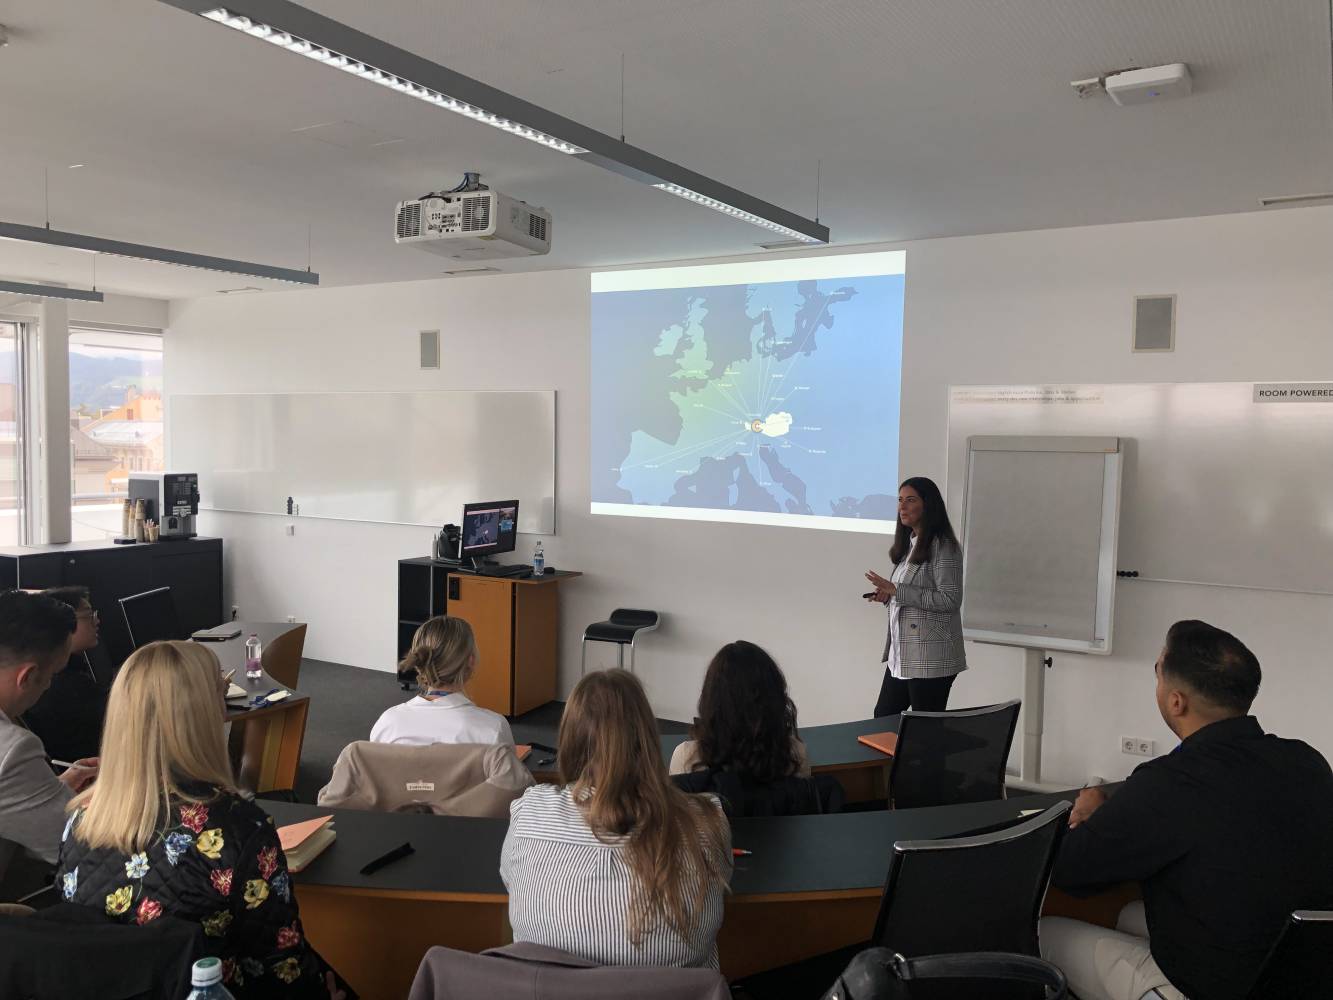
x: 1255, y: 301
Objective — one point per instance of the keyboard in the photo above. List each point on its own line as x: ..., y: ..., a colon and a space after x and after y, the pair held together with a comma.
x: 517, y: 570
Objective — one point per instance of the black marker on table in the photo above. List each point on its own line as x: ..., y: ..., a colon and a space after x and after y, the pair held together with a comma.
x: 396, y: 854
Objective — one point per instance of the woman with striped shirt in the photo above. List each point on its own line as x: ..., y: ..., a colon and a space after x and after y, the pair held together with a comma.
x: 616, y: 864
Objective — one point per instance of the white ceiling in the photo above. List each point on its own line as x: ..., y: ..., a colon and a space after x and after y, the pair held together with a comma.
x: 931, y: 117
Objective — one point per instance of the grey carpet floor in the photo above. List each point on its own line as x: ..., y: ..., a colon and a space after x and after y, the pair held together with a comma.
x: 345, y: 702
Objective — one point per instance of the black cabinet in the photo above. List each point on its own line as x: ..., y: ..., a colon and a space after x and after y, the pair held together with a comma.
x: 422, y: 594
x: 192, y: 569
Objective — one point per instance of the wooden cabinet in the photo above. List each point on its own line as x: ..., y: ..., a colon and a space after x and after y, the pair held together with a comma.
x: 516, y: 624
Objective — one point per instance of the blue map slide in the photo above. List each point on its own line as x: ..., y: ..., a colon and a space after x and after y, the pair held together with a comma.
x: 763, y: 392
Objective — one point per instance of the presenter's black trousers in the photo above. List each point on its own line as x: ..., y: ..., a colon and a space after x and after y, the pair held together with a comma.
x: 925, y: 694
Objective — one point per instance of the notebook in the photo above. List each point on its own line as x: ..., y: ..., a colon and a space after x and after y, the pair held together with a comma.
x: 522, y: 750
x: 883, y: 742
x: 219, y: 633
x: 235, y: 691
x: 303, y: 842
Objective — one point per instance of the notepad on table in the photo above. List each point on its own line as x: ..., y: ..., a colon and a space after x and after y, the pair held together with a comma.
x: 303, y: 842
x: 235, y: 691
x: 522, y: 751
x: 883, y: 742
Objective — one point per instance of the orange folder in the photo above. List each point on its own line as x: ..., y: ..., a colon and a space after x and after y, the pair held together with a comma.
x: 522, y: 750
x: 883, y: 742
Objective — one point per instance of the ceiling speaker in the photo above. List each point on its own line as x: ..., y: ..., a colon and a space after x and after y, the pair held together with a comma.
x: 1154, y: 323
x: 430, y: 348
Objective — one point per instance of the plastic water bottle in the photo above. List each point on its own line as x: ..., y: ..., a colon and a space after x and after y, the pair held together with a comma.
x: 538, y: 560
x: 254, y: 668
x: 206, y: 978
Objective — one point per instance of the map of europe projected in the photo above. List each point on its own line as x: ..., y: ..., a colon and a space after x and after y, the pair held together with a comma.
x: 774, y: 398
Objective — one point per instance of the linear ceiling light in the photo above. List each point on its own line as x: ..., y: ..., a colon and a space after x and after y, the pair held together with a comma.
x: 140, y: 251
x: 295, y: 28
x: 51, y: 291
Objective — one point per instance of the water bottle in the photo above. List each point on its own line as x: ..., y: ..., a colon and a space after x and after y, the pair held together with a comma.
x: 538, y: 560
x: 254, y: 668
x: 206, y: 978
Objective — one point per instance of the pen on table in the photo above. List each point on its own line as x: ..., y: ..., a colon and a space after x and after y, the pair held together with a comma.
x: 545, y: 760
x: 741, y: 852
x: 401, y: 851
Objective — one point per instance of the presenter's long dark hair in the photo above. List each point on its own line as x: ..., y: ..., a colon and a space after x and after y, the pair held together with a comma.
x: 747, y: 721
x: 933, y: 526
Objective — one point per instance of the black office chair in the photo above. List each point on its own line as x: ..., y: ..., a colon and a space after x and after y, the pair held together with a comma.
x: 622, y: 628
x: 981, y: 893
x: 945, y: 758
x: 151, y: 616
x: 1300, y: 966
x: 881, y: 974
x: 793, y: 796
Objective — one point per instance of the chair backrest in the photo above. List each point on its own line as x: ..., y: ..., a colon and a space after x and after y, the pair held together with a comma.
x: 944, y: 758
x: 151, y: 616
x: 881, y: 974
x: 281, y: 658
x: 981, y: 893
x: 1300, y: 966
x: 451, y: 779
x: 113, y: 959
x: 785, y: 797
x: 524, y: 971
x: 634, y: 618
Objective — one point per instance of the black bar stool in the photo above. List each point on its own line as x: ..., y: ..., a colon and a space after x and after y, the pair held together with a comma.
x: 622, y: 628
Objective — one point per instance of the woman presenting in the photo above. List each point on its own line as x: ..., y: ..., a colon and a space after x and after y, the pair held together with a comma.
x: 924, y: 594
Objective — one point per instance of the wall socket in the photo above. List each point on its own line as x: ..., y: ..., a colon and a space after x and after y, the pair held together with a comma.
x: 1138, y: 746
x: 291, y: 619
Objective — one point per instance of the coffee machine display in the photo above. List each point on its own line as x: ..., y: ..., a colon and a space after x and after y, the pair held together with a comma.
x: 171, y: 499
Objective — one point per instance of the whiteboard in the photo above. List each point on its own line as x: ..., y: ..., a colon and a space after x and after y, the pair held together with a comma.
x: 1218, y: 489
x: 401, y: 458
x: 1039, y: 523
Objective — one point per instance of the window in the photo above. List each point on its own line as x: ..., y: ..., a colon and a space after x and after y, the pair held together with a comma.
x: 115, y: 422
x: 11, y: 452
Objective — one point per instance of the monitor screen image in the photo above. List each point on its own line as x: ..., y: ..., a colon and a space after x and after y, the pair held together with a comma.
x: 490, y: 527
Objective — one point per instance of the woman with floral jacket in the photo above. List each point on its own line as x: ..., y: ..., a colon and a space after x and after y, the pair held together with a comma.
x: 165, y: 830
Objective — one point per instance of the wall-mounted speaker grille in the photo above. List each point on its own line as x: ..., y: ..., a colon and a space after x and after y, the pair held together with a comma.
x: 1154, y: 323
x: 430, y: 348
x: 476, y: 213
x: 409, y: 220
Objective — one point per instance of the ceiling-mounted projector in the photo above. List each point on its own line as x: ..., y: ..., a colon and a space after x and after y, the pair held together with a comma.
x: 472, y: 222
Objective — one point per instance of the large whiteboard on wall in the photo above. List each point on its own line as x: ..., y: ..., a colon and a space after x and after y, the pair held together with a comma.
x: 401, y: 458
x: 1218, y: 488
x: 1039, y: 522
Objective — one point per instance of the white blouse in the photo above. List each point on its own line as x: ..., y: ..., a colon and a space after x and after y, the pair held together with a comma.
x: 448, y: 719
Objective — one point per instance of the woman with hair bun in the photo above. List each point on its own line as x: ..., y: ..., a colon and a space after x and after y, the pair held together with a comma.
x: 444, y: 656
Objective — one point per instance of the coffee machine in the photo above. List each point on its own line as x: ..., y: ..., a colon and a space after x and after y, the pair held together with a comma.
x: 171, y: 499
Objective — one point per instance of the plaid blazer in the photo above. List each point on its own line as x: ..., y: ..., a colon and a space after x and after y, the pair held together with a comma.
x: 928, y: 603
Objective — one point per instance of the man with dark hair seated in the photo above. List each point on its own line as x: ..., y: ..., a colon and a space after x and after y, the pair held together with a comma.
x: 35, y: 637
x: 1227, y: 834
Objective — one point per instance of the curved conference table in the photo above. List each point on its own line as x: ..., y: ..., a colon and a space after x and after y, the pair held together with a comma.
x: 812, y: 884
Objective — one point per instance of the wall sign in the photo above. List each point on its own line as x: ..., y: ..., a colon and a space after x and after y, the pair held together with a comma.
x: 1293, y: 392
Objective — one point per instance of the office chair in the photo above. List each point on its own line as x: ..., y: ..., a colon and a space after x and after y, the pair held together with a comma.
x: 880, y: 974
x: 981, y: 893
x: 622, y: 628
x: 150, y: 617
x: 945, y: 758
x: 794, y: 796
x: 1300, y: 966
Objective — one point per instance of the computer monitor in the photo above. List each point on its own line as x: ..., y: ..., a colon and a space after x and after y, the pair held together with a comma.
x: 488, y: 528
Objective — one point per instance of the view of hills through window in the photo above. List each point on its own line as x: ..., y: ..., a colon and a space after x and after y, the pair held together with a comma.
x: 115, y: 420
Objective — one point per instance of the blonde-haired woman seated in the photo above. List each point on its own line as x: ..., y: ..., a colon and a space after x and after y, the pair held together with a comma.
x: 616, y: 865
x: 444, y: 655
x: 166, y: 831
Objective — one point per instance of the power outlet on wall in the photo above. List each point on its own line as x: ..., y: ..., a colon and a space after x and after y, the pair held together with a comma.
x: 291, y: 619
x: 1138, y: 746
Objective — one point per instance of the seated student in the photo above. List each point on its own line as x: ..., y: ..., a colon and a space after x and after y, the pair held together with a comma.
x: 1228, y: 834
x: 616, y: 864
x: 165, y: 830
x: 747, y: 722
x: 68, y: 719
x: 35, y: 636
x: 444, y: 655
